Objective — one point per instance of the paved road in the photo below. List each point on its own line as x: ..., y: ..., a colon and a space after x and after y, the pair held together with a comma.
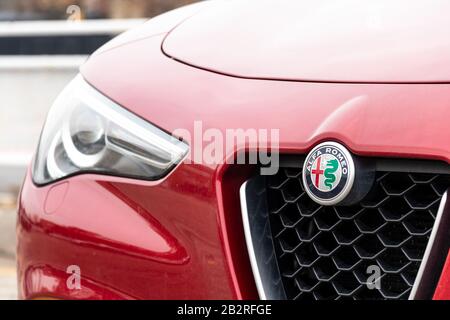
x: 8, y: 286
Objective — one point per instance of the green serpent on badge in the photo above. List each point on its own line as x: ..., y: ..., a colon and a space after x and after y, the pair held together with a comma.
x: 330, y: 178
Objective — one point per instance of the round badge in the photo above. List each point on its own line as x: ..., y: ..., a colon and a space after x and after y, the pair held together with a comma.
x: 328, y: 173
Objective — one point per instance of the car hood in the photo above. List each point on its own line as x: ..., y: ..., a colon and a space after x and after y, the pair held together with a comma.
x: 377, y: 120
x: 385, y: 41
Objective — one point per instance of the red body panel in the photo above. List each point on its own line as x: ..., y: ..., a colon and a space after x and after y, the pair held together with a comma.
x: 182, y: 238
x: 347, y: 41
x: 378, y: 120
x: 130, y: 240
x: 443, y: 288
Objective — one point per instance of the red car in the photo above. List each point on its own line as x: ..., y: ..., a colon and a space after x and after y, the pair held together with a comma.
x: 245, y: 150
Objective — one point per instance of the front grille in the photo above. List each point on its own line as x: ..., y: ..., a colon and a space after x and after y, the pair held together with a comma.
x: 330, y: 252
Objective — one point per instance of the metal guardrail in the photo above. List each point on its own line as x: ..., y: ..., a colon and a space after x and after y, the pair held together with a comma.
x: 42, y: 62
x: 59, y: 37
x: 29, y: 84
x: 67, y: 28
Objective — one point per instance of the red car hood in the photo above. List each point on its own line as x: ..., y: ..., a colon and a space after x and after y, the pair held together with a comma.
x: 386, y: 120
x: 386, y: 41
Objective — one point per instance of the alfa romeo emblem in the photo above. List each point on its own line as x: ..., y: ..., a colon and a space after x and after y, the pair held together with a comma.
x: 328, y: 173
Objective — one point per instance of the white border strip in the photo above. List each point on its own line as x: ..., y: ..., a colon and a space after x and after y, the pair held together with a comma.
x: 65, y: 28
x: 426, y: 256
x: 249, y: 241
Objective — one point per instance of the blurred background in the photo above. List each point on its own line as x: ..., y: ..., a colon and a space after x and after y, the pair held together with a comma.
x: 41, y: 49
x: 15, y: 10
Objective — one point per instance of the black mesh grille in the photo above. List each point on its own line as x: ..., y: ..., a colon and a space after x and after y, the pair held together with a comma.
x: 329, y: 252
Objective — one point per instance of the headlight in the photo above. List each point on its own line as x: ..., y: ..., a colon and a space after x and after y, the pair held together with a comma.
x: 86, y: 132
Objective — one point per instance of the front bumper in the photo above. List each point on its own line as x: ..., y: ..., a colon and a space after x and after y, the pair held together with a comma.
x: 130, y: 240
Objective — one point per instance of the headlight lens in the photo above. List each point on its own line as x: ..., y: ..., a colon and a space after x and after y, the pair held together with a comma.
x: 86, y: 132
